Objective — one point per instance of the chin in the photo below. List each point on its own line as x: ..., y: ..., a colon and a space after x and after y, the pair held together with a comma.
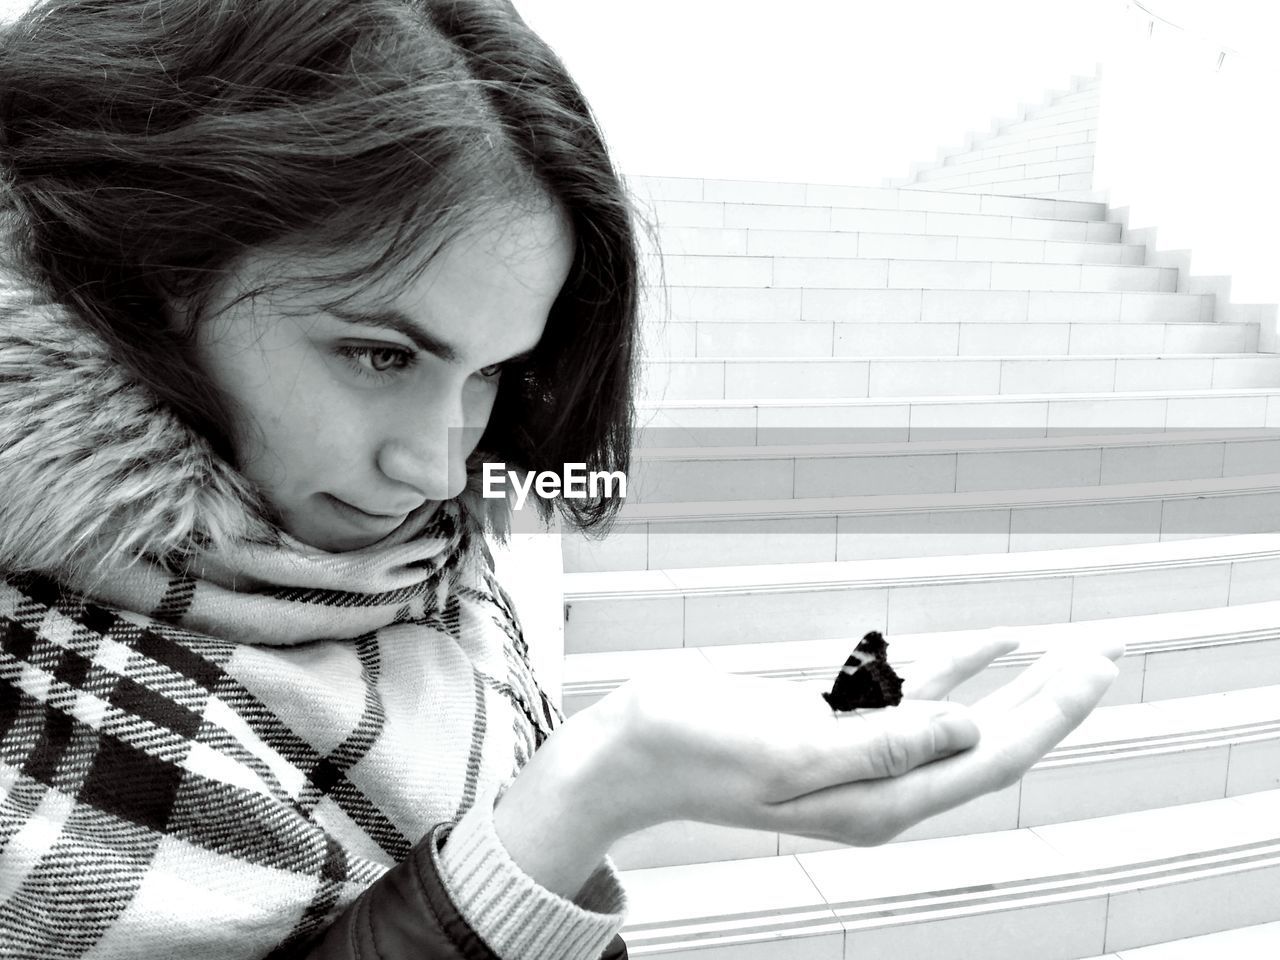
x: 334, y: 542
x: 316, y: 534
x: 343, y: 544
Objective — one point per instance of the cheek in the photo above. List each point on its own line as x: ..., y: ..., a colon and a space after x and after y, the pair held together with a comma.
x: 289, y: 427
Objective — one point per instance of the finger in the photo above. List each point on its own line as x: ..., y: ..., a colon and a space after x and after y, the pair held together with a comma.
x: 1021, y: 688
x: 1010, y: 743
x: 935, y: 676
x: 874, y: 811
x: 1029, y: 682
x: 871, y: 744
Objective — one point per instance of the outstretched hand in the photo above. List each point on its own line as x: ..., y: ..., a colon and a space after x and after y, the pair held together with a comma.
x: 770, y: 754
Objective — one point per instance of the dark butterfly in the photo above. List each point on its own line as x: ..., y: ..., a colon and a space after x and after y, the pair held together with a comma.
x: 866, y: 679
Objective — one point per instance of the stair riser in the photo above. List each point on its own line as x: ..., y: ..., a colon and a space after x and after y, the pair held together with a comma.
x: 1033, y: 164
x: 1031, y: 186
x: 1004, y: 146
x: 974, y: 162
x: 664, y: 196
x: 1027, y: 166
x: 1017, y: 181
x: 1072, y: 101
x: 887, y: 422
x: 597, y: 624
x: 784, y: 477
x: 861, y: 273
x: 1083, y: 920
x: 661, y: 545
x: 1053, y: 118
x: 715, y: 242
x: 1025, y: 218
x: 693, y: 304
x: 1078, y: 194
x: 1039, y: 137
x: 673, y: 381
x: 977, y: 161
x: 821, y: 340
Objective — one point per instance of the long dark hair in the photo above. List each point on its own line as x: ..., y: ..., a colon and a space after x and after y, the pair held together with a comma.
x: 146, y: 145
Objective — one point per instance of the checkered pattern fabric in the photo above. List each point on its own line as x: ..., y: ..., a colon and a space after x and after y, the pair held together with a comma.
x: 213, y: 766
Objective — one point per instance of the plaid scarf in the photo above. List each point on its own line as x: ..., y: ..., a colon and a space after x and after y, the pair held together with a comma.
x: 212, y: 763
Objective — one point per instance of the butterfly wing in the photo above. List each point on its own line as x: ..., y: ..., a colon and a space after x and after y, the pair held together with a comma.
x: 853, y: 690
x: 872, y: 684
x: 873, y: 645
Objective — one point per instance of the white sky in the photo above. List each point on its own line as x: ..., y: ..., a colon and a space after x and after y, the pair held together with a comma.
x: 844, y: 91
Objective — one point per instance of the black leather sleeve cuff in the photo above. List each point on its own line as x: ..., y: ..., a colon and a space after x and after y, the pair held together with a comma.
x: 405, y: 915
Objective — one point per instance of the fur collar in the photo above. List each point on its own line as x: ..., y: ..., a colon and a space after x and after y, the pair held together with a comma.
x: 96, y: 473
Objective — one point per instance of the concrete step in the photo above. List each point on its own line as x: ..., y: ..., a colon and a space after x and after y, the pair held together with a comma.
x: 660, y: 194
x: 1120, y: 760
x: 1055, y: 892
x: 984, y: 148
x: 1016, y: 182
x: 1034, y: 187
x: 1076, y: 143
x: 1082, y: 105
x: 881, y: 377
x: 1082, y: 95
x: 963, y: 218
x: 1086, y: 100
x: 1042, y: 136
x: 708, y: 606
x: 1082, y: 195
x: 1013, y: 169
x: 1035, y: 165
x: 825, y: 244
x: 659, y: 536
x: 1257, y: 942
x: 1053, y: 118
x: 684, y: 474
x: 1188, y: 653
x: 1042, y: 119
x: 763, y: 339
x: 739, y: 423
x: 963, y: 163
x: 909, y: 305
x: 714, y: 273
x: 971, y: 160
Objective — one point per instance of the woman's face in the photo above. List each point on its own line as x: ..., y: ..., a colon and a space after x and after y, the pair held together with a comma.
x: 351, y: 417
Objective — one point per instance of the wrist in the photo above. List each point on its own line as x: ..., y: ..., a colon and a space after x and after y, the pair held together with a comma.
x: 568, y: 805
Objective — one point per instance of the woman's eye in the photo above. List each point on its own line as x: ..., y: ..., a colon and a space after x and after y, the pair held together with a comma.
x: 492, y: 371
x: 376, y: 360
x: 384, y: 358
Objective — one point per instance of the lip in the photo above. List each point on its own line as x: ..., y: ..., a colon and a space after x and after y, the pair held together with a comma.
x: 364, y: 517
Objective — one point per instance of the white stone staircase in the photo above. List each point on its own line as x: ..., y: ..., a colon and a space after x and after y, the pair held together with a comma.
x: 1045, y: 152
x: 929, y: 413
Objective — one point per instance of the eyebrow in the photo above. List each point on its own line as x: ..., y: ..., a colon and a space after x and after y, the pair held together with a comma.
x: 396, y: 321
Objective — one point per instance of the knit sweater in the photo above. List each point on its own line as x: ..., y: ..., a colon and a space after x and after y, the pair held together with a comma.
x: 212, y: 750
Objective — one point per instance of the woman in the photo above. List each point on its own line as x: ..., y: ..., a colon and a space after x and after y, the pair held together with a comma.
x: 282, y: 275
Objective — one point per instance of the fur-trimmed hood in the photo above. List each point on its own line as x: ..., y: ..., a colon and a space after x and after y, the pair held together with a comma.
x: 95, y: 471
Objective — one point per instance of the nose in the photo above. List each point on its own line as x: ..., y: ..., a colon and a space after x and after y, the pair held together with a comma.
x: 429, y: 452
